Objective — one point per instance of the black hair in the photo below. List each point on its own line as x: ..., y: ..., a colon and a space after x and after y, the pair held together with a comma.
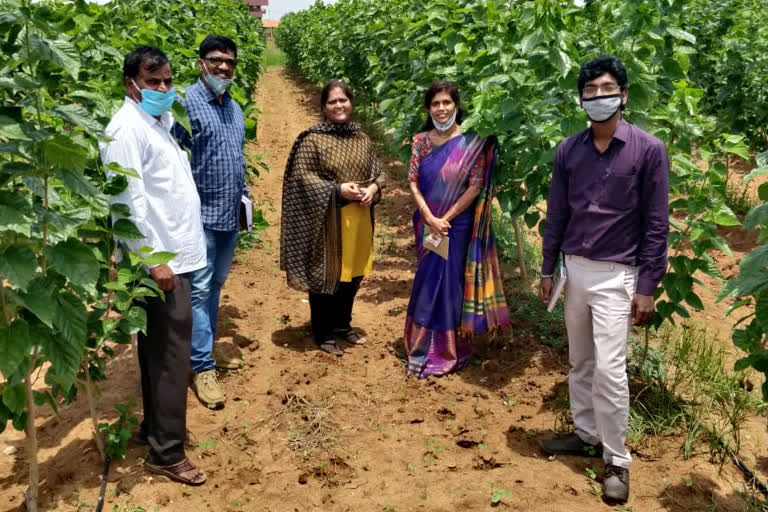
x: 335, y: 84
x: 148, y: 57
x: 215, y: 42
x: 600, y: 66
x: 443, y: 86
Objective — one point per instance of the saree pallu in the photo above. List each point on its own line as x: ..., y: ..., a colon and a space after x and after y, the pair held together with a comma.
x: 454, y: 298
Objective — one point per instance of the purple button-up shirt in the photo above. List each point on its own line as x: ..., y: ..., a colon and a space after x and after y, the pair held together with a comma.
x: 611, y: 206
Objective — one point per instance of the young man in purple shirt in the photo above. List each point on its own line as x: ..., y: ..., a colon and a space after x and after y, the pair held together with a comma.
x: 607, y: 213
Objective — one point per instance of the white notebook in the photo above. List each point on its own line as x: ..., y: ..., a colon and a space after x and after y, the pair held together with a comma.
x: 558, y: 286
x: 246, y: 213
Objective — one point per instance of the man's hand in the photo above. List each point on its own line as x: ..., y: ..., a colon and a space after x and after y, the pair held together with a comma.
x: 164, y: 277
x: 545, y: 289
x: 369, y: 193
x: 642, y: 309
x: 351, y: 191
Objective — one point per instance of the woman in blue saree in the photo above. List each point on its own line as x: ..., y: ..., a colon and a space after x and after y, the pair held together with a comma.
x: 457, y: 289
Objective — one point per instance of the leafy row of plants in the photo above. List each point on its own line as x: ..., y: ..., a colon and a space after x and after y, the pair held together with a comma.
x: 64, y: 302
x: 517, y: 63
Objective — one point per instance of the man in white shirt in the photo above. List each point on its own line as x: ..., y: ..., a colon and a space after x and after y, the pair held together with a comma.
x: 165, y: 207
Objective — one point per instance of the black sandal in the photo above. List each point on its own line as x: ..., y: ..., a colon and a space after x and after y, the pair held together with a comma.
x: 330, y: 347
x: 351, y: 336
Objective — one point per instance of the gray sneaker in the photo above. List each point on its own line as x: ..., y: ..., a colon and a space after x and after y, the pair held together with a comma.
x: 571, y: 445
x: 616, y: 483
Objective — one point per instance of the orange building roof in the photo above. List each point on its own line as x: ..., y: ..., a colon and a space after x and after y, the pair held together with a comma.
x: 270, y: 23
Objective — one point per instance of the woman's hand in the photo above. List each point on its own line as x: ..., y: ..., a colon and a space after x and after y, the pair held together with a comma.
x: 351, y: 191
x: 438, y: 225
x: 368, y: 193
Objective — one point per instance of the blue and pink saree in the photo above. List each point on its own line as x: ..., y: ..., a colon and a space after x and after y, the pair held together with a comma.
x: 454, y: 298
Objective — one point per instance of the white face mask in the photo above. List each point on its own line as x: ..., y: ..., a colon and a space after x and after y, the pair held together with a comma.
x: 601, y: 108
x: 441, y: 127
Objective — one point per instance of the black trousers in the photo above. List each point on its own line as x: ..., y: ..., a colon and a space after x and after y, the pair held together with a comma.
x: 164, y: 361
x: 331, y: 312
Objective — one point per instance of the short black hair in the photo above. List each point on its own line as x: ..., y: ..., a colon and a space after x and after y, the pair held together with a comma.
x: 442, y: 86
x: 335, y: 84
x: 149, y: 57
x: 214, y: 42
x: 600, y: 66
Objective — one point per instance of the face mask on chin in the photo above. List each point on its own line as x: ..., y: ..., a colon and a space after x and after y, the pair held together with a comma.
x: 441, y: 127
x: 601, y: 108
x: 217, y: 84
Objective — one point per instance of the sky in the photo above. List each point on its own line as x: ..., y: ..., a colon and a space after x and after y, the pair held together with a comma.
x: 277, y: 8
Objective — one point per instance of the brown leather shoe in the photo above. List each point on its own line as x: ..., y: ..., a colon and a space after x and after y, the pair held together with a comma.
x: 183, y: 471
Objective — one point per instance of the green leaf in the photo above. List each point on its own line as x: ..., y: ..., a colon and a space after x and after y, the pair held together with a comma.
x: 134, y: 320
x: 681, y: 34
x: 159, y: 258
x: 531, y: 218
x: 15, y: 212
x: 14, y: 397
x: 82, y: 186
x: 259, y: 222
x: 120, y: 209
x: 11, y: 129
x: 724, y: 216
x: 66, y: 351
x: 18, y: 265
x: 124, y: 171
x: 61, y: 151
x: 38, y: 299
x: 694, y: 301
x: 58, y: 51
x: 181, y: 116
x: 127, y: 230
x: 75, y: 261
x: 754, y: 173
x: 756, y: 217
x: 15, y: 345
x: 77, y: 114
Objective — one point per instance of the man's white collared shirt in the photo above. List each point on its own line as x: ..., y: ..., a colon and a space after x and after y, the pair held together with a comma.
x: 163, y: 201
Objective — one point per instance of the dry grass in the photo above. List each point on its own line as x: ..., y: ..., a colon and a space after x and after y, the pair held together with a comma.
x: 308, y: 423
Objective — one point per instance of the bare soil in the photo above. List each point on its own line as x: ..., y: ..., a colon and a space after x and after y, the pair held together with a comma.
x: 305, y: 431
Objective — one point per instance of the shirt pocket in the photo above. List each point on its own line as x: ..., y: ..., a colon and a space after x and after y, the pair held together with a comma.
x: 620, y: 192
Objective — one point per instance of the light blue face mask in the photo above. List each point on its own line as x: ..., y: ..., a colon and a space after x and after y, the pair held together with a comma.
x: 217, y: 84
x: 156, y: 103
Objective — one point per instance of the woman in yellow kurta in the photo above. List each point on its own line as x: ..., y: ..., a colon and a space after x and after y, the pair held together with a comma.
x: 332, y: 182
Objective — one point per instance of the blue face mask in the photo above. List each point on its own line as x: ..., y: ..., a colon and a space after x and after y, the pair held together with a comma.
x: 156, y: 103
x: 217, y: 84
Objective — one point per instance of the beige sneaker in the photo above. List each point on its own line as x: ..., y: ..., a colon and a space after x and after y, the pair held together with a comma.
x: 225, y: 359
x: 206, y: 387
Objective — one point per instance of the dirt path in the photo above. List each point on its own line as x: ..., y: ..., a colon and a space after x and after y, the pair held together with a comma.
x: 304, y: 431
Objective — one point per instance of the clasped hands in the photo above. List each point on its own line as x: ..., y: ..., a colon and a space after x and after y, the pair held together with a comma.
x: 353, y: 192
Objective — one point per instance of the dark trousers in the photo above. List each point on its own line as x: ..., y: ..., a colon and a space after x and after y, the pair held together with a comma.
x: 331, y: 312
x: 164, y: 362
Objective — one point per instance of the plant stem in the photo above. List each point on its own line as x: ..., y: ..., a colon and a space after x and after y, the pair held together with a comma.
x: 520, y: 250
x: 4, y: 303
x: 88, y: 385
x: 34, y: 473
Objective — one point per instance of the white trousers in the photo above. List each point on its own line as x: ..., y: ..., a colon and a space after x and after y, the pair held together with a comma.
x: 598, y: 306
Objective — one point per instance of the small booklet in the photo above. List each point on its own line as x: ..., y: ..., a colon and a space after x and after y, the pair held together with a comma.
x: 558, y: 286
x: 435, y: 242
x: 246, y: 213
